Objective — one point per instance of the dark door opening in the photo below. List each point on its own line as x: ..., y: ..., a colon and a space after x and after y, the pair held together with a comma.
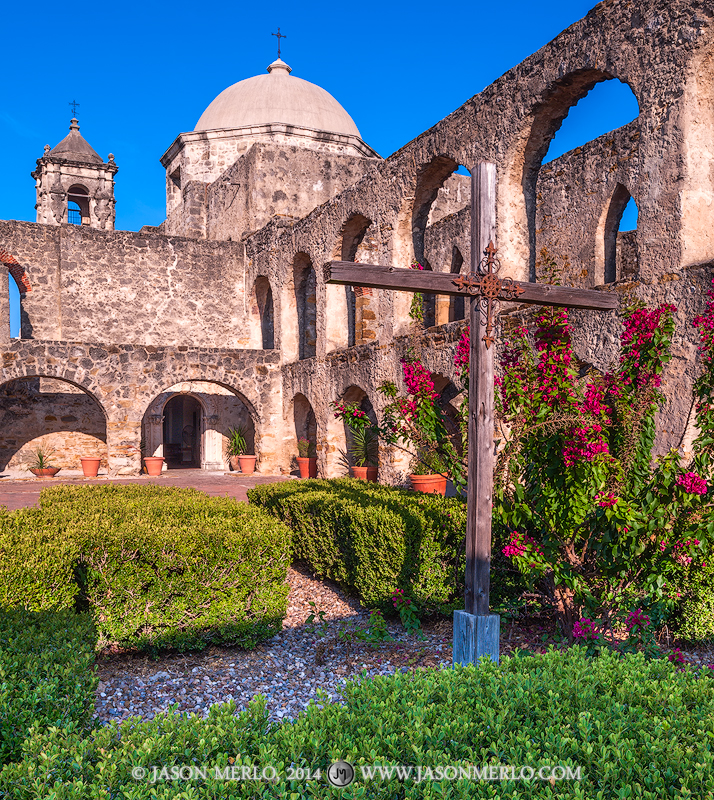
x: 182, y: 420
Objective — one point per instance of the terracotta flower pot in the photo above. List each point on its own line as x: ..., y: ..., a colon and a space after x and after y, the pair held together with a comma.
x: 365, y: 473
x: 431, y: 484
x: 154, y: 465
x: 308, y: 467
x: 247, y: 464
x: 90, y: 466
x: 46, y: 472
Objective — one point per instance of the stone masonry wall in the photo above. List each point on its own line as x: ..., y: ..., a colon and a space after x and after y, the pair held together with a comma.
x: 143, y: 288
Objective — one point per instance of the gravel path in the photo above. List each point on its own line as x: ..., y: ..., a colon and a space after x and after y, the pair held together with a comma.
x: 289, y: 669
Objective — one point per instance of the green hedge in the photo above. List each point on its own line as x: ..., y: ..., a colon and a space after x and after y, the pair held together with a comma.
x: 374, y: 539
x: 159, y: 567
x: 634, y: 728
x: 46, y: 675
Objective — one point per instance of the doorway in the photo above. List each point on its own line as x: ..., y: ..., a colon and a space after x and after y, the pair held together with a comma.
x: 182, y: 435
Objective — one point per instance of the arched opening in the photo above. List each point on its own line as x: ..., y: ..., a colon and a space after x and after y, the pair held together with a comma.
x: 306, y: 305
x: 182, y: 432
x: 619, y: 239
x: 339, y: 444
x: 449, y: 401
x: 78, y: 205
x: 304, y: 422
x: 18, y: 286
x: 351, y: 310
x: 606, y: 107
x: 262, y: 319
x: 592, y: 119
x: 189, y: 424
x: 427, y: 226
x: 52, y: 415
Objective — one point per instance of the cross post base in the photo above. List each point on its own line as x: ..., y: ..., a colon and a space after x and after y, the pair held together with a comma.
x: 475, y: 636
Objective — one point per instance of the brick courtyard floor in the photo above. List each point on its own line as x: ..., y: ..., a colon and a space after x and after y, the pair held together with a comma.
x: 20, y: 493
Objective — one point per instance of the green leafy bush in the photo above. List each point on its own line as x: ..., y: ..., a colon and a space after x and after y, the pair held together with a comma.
x: 159, y: 567
x: 633, y: 729
x: 46, y: 676
x: 375, y: 539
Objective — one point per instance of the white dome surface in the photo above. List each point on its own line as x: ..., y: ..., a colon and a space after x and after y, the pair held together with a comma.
x: 277, y: 97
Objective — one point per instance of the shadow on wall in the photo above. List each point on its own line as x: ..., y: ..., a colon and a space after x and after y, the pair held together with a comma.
x: 53, y: 415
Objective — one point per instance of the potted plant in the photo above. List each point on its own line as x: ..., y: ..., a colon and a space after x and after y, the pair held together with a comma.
x: 154, y: 465
x: 90, y: 465
x: 363, y: 449
x: 236, y: 450
x: 428, y: 474
x: 363, y: 452
x: 41, y: 467
x: 307, y: 458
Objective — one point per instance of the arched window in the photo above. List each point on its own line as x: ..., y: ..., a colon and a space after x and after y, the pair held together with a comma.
x: 620, y: 244
x: 78, y: 205
x: 306, y: 303
x: 262, y: 319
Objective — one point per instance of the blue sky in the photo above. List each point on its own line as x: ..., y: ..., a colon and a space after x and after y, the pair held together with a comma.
x: 144, y: 72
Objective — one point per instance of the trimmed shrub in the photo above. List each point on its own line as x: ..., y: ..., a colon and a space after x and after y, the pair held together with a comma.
x: 46, y: 675
x: 39, y: 551
x: 159, y: 567
x: 374, y: 539
x: 632, y: 728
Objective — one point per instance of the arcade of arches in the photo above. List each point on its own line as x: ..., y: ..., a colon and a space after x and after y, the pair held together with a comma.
x: 221, y: 316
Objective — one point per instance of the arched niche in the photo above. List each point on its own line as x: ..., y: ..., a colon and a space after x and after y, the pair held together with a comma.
x: 616, y: 242
x: 262, y: 315
x: 338, y: 439
x: 517, y: 198
x: 449, y: 401
x: 441, y: 189
x: 53, y: 415
x: 189, y: 424
x: 351, y: 310
x: 300, y: 311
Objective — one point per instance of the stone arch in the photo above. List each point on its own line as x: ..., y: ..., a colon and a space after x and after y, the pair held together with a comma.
x: 435, y: 193
x: 222, y: 407
x: 612, y: 248
x: 262, y: 315
x: 53, y: 414
x: 517, y: 199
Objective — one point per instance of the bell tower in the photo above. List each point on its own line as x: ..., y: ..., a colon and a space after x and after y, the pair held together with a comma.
x: 74, y: 185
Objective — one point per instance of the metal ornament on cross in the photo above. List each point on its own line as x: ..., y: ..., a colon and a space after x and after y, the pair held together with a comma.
x: 476, y: 630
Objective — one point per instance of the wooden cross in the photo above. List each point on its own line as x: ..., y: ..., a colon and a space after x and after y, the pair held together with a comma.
x: 476, y: 632
x: 280, y: 36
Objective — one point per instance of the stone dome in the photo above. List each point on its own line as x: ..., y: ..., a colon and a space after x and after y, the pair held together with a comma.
x: 277, y: 97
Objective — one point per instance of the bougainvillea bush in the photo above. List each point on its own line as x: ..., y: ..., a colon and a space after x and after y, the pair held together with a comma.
x: 596, y: 524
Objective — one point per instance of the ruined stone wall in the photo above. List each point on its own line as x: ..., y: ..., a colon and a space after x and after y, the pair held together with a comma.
x: 654, y: 48
x: 125, y: 379
x: 141, y: 288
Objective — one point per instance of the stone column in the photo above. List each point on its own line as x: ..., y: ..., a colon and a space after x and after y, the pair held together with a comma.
x: 4, y: 305
x: 123, y: 443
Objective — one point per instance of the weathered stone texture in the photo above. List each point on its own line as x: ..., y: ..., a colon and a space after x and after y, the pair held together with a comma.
x: 174, y: 302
